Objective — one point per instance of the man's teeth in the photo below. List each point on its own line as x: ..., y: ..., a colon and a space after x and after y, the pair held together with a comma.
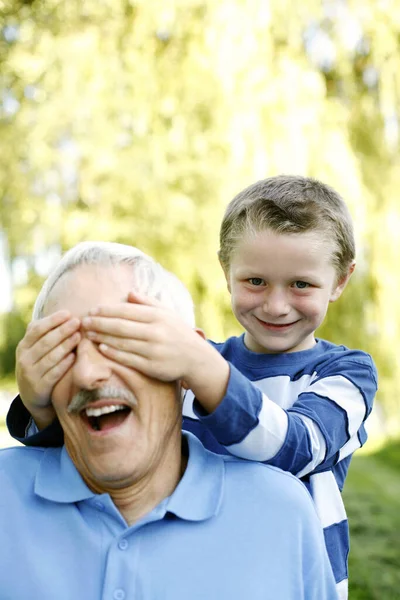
x: 104, y: 410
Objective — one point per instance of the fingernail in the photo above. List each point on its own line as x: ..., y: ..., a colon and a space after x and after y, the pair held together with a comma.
x: 94, y: 311
x: 86, y: 321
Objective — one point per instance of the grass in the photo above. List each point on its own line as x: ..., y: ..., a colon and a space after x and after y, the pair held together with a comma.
x: 372, y: 499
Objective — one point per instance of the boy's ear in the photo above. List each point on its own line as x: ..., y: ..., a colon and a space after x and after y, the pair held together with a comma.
x: 341, y: 284
x: 201, y: 333
x: 226, y: 272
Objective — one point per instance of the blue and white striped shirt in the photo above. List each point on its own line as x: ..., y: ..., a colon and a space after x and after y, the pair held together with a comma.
x: 303, y: 412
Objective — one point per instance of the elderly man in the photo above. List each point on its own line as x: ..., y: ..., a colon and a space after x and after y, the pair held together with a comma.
x: 129, y: 507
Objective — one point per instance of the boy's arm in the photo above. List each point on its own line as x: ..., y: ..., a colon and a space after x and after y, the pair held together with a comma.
x: 19, y: 424
x: 324, y: 425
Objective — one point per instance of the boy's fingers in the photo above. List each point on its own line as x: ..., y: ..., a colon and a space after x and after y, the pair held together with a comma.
x: 130, y: 312
x: 128, y: 345
x: 51, y: 340
x: 39, y: 328
x: 135, y: 361
x: 42, y: 393
x: 116, y: 327
x: 135, y: 298
x: 54, y: 375
x: 39, y: 371
x: 58, y: 354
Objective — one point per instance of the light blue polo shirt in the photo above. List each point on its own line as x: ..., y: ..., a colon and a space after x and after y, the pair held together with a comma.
x: 231, y: 530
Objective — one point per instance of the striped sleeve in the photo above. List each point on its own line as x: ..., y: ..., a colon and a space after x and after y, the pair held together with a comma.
x: 336, y: 405
x: 324, y: 425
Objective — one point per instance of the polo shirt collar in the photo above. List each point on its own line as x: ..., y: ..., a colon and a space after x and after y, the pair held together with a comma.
x: 58, y: 480
x: 197, y: 497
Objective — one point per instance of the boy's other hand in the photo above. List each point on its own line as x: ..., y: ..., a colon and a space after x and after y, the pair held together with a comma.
x: 43, y: 356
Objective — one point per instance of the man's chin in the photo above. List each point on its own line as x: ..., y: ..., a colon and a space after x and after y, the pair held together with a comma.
x: 106, y: 475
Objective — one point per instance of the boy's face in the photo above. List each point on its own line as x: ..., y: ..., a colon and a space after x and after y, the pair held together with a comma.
x: 281, y: 286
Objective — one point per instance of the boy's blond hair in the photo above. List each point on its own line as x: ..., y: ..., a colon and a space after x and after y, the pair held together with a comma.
x: 289, y: 204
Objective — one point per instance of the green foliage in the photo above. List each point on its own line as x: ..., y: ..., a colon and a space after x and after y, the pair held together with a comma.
x: 390, y: 456
x: 371, y: 496
x: 138, y: 121
x: 13, y: 327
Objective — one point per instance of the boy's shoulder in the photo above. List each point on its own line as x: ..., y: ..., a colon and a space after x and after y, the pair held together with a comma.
x: 324, y: 358
x: 353, y: 364
x: 330, y: 351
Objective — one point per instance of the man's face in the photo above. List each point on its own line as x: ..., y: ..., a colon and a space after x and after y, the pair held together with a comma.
x: 128, y: 422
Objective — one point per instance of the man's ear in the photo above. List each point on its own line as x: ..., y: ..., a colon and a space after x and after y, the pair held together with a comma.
x: 341, y: 284
x: 226, y: 272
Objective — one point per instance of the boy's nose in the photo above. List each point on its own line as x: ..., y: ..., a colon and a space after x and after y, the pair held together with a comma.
x: 276, y: 303
x: 91, y: 369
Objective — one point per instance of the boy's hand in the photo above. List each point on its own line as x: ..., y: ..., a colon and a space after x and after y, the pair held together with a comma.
x: 43, y: 356
x: 145, y: 335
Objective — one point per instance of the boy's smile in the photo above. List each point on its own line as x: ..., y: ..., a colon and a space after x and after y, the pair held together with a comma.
x: 281, y: 286
x: 276, y: 326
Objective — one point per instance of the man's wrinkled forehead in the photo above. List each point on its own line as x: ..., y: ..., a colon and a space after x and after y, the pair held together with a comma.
x: 87, y: 286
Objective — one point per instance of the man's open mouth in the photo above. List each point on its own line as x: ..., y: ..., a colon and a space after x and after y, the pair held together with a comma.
x: 105, y: 417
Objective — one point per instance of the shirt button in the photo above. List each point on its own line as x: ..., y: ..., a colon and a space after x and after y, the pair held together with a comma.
x: 123, y: 544
x: 119, y: 595
x: 99, y: 505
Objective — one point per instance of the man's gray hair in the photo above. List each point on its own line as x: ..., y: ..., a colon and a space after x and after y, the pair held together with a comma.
x: 149, y: 277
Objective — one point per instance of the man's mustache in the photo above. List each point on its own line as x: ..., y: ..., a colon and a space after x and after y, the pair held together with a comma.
x: 85, y: 397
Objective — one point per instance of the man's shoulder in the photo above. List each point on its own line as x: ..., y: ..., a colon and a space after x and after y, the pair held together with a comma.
x: 261, y: 482
x: 240, y: 476
x: 19, y: 461
x: 19, y: 452
x: 235, y: 464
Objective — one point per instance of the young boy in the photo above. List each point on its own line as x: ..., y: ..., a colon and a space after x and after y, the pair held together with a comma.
x: 275, y: 394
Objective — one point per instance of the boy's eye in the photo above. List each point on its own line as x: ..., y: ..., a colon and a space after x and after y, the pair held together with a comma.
x: 257, y: 281
x: 301, y: 285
